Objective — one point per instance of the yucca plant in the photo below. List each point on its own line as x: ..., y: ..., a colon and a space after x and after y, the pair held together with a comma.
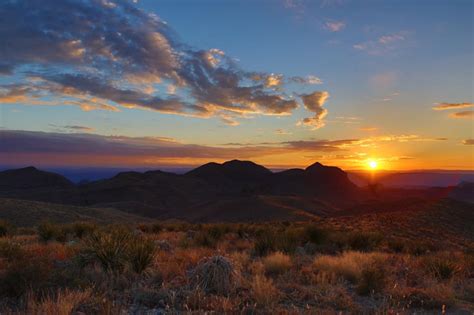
x: 109, y: 248
x: 140, y: 253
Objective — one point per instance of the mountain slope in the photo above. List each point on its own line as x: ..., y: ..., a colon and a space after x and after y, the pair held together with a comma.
x: 30, y: 213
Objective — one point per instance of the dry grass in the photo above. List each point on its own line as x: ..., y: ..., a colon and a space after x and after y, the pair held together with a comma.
x: 230, y: 277
x: 277, y: 263
x: 64, y: 302
x: 264, y: 291
x: 348, y: 265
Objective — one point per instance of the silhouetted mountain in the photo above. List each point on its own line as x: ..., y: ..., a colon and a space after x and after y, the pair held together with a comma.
x: 30, y: 177
x: 231, y: 191
x: 464, y: 192
x: 33, y: 184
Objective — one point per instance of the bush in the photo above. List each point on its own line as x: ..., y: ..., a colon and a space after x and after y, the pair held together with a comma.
x: 22, y: 275
x: 5, y: 228
x: 277, y: 263
x: 11, y: 251
x: 364, y: 241
x: 264, y: 291
x: 48, y: 231
x: 213, y: 275
x: 442, y: 268
x: 108, y: 248
x: 348, y: 265
x: 82, y: 229
x: 140, y: 254
x: 371, y: 280
x: 264, y: 243
x: 315, y: 235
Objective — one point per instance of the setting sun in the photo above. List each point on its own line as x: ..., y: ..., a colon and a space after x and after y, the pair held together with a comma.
x: 373, y: 164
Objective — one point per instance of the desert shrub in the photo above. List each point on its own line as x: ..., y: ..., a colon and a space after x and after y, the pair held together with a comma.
x: 418, y: 248
x: 10, y: 250
x: 24, y: 274
x: 348, y: 265
x: 434, y: 297
x: 64, y: 302
x: 441, y: 267
x: 372, y: 279
x: 48, y: 231
x: 5, y: 228
x: 140, y: 253
x: 315, y: 234
x: 264, y: 243
x: 213, y: 275
x: 264, y: 291
x: 108, y: 248
x: 396, y: 245
x: 270, y: 240
x: 210, y: 235
x: 276, y: 263
x: 82, y: 229
x: 153, y: 228
x: 289, y: 240
x: 364, y: 241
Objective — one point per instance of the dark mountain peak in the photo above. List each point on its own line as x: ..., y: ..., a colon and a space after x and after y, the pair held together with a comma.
x: 247, y: 166
x: 316, y: 165
x: 31, y: 177
x: 320, y: 168
x: 235, y: 170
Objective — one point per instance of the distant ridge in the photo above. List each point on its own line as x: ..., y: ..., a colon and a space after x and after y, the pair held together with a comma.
x: 232, y: 191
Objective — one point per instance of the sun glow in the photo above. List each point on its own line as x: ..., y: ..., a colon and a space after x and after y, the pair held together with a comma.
x: 372, y: 164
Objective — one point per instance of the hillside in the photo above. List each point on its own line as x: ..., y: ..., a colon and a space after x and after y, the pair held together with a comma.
x: 30, y: 213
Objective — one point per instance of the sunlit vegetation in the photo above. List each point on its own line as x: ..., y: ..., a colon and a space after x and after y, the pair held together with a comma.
x: 178, y: 267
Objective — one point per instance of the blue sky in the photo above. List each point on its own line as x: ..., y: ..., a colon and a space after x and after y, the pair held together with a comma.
x: 383, y: 65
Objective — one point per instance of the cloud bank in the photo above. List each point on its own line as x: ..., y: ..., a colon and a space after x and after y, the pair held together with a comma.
x: 55, y: 53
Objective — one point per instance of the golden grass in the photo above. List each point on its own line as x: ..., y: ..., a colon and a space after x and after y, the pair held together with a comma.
x: 264, y: 291
x: 277, y: 263
x: 64, y: 302
x: 348, y: 265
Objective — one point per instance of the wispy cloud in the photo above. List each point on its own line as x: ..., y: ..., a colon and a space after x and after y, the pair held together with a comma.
x: 468, y: 142
x: 334, y: 26
x: 447, y: 106
x: 75, y: 128
x: 384, y: 44
x: 468, y: 114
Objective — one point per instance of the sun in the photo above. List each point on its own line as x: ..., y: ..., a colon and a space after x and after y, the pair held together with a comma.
x: 373, y: 164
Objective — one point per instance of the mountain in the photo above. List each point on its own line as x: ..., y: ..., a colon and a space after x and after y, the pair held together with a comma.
x: 31, y: 213
x: 31, y: 177
x: 464, y: 192
x: 231, y: 191
x: 33, y: 184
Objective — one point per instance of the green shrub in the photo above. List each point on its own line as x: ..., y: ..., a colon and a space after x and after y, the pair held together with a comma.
x: 23, y: 275
x: 265, y: 243
x: 116, y: 249
x: 397, y: 245
x: 82, y: 229
x: 48, y: 231
x: 140, y: 253
x: 9, y: 250
x: 364, y: 241
x: 109, y: 249
x: 5, y: 228
x: 315, y: 235
x: 371, y: 280
x: 442, y: 268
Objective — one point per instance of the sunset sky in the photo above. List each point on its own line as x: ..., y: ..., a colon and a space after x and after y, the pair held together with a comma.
x: 283, y: 83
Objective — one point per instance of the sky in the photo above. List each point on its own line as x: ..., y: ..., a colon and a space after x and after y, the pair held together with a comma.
x: 284, y: 83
